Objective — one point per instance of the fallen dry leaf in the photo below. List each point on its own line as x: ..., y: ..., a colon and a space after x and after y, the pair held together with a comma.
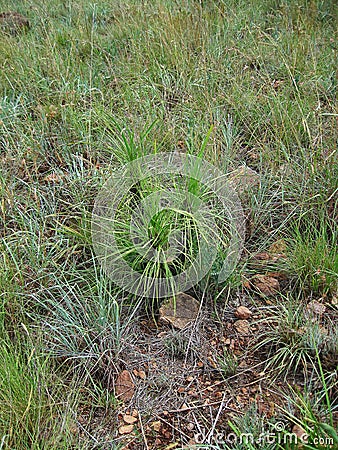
x: 171, y: 446
x: 124, y: 386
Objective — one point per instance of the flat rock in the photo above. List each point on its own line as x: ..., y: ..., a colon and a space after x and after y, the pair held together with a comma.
x: 127, y: 418
x: 126, y: 429
x: 179, y: 311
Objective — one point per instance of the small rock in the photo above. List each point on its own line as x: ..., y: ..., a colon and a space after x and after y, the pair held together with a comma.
x: 262, y: 256
x: 156, y: 425
x: 242, y: 312
x: 264, y: 259
x: 140, y: 374
x: 316, y: 307
x: 181, y: 311
x: 266, y: 285
x: 242, y: 326
x: 243, y: 178
x: 129, y: 419
x: 124, y: 386
x: 126, y: 429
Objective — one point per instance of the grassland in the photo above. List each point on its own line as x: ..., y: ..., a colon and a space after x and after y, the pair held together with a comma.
x: 86, y: 87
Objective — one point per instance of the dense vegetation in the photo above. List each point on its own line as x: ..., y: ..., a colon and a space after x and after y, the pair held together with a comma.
x: 86, y: 87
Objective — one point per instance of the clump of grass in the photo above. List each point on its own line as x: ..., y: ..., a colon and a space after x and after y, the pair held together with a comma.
x: 177, y: 345
x: 314, y: 410
x: 249, y: 428
x: 227, y: 363
x: 81, y: 324
x: 27, y: 408
x: 290, y: 339
x: 313, y: 256
x: 163, y: 225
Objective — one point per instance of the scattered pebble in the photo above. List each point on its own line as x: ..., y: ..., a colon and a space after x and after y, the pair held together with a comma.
x: 242, y: 312
x: 242, y: 326
x: 316, y: 308
x: 126, y: 429
x: 129, y: 419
